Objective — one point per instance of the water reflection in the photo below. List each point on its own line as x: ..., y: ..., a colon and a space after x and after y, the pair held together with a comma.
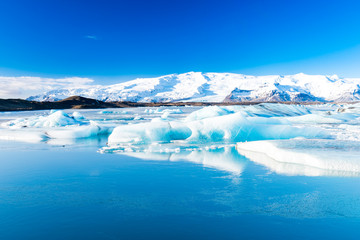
x: 224, y: 158
x: 295, y: 157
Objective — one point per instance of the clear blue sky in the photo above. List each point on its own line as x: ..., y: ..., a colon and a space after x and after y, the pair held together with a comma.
x: 149, y: 38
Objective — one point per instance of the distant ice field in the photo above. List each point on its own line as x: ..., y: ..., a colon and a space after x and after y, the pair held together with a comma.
x: 311, y: 140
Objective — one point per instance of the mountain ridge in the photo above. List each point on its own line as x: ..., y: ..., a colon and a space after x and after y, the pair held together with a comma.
x: 219, y: 87
x: 77, y: 102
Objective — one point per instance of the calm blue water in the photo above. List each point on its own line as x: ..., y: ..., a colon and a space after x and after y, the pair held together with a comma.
x: 76, y: 193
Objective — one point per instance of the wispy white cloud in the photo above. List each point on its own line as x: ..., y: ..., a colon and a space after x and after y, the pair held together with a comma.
x: 93, y: 37
x: 23, y: 87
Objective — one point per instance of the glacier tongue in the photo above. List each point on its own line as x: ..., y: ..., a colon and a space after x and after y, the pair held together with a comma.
x: 219, y: 87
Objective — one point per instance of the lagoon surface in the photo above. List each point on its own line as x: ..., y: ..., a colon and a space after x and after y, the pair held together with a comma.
x: 56, y: 185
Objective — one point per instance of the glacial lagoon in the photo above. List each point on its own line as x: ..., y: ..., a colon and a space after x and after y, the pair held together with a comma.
x: 237, y: 172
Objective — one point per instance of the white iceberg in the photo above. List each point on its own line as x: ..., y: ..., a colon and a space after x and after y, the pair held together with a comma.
x: 305, y: 157
x: 56, y: 125
x: 156, y: 131
x: 86, y: 131
x: 161, y: 110
x: 229, y: 128
x: 55, y: 119
x: 22, y: 136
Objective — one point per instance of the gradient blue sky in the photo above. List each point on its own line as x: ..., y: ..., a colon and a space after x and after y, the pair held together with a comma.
x: 124, y: 39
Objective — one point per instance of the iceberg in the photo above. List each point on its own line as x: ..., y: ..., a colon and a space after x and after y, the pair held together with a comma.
x: 160, y: 111
x: 239, y: 128
x: 87, y: 131
x: 208, y: 112
x: 28, y: 136
x: 56, y: 125
x: 155, y: 131
x: 55, y: 119
x: 213, y: 125
x: 78, y: 116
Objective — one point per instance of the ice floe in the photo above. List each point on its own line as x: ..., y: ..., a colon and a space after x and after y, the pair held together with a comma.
x: 214, y: 124
x: 252, y: 127
x: 57, y: 124
x: 305, y: 157
x: 161, y: 110
x: 85, y: 131
x: 55, y: 119
x: 30, y: 136
x: 281, y: 137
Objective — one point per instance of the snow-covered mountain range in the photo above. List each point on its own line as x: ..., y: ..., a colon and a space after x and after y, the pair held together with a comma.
x: 219, y: 87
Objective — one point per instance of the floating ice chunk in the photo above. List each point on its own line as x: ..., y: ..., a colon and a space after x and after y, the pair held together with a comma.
x: 22, y: 136
x: 78, y: 116
x: 174, y: 111
x: 350, y: 108
x: 259, y: 110
x: 56, y: 119
x: 277, y: 109
x: 87, y: 131
x: 179, y: 131
x: 106, y: 112
x: 177, y: 111
x: 156, y: 131
x: 346, y: 116
x: 215, y: 124
x: 159, y: 110
x: 56, y: 125
x: 346, y: 132
x: 144, y: 133
x: 238, y: 128
x: 228, y: 128
x: 269, y: 110
x: 314, y: 119
x: 208, y: 112
x: 149, y: 110
x: 305, y: 157
x: 165, y: 115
